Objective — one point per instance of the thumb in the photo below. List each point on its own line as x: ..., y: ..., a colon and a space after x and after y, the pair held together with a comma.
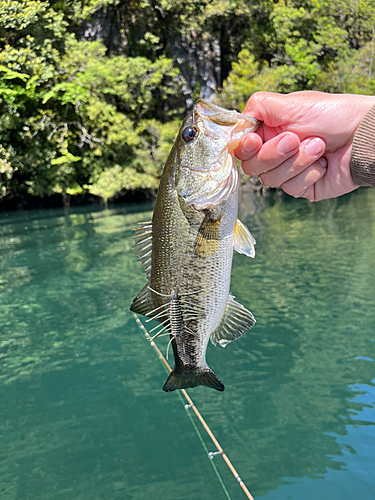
x: 272, y: 109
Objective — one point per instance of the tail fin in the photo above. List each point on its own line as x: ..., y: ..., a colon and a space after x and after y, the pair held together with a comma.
x: 186, y: 380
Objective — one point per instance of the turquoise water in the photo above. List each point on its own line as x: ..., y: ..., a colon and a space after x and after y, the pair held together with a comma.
x: 82, y: 413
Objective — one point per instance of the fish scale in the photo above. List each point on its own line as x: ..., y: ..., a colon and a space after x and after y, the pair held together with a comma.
x: 188, y: 248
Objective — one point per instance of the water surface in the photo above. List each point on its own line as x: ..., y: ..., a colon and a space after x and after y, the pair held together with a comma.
x: 82, y: 413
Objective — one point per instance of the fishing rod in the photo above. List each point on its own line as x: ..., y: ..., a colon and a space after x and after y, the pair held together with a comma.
x: 191, y: 405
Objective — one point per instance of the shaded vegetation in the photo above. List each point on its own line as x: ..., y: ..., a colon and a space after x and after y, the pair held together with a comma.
x: 91, y: 92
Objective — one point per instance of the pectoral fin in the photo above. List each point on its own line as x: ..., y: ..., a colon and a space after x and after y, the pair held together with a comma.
x: 243, y: 241
x: 236, y: 321
x: 207, y: 242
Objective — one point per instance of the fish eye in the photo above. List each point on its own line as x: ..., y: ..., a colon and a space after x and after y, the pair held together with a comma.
x: 189, y: 133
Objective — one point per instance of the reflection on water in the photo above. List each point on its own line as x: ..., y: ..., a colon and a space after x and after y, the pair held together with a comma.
x: 82, y: 413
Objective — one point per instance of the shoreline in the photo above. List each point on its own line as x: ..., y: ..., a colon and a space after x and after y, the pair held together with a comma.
x: 29, y: 202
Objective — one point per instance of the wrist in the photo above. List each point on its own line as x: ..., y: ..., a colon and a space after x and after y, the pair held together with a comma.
x: 363, y: 105
x: 362, y: 161
x: 358, y: 106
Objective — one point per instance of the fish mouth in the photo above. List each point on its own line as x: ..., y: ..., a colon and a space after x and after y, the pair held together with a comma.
x: 236, y: 125
x: 210, y: 179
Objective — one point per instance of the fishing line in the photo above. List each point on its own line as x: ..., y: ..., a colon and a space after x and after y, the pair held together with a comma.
x: 191, y: 405
x: 209, y: 454
x: 187, y: 407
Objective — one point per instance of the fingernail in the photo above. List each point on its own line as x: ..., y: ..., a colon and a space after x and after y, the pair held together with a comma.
x: 249, y: 145
x: 323, y: 161
x: 287, y: 144
x: 314, y: 147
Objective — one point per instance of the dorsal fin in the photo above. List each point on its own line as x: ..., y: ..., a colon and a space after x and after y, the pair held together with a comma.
x: 143, y: 245
x: 236, y: 321
x: 243, y: 241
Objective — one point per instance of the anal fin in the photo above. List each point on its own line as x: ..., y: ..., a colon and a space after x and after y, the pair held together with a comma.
x: 143, y: 302
x: 236, y: 321
x: 243, y: 241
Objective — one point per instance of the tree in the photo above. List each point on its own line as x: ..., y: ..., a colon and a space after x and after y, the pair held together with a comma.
x: 89, y: 85
x: 32, y: 36
x: 69, y: 111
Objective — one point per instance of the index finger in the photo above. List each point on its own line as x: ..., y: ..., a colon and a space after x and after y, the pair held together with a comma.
x: 249, y: 146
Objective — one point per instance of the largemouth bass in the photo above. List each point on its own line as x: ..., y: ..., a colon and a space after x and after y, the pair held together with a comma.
x: 187, y: 249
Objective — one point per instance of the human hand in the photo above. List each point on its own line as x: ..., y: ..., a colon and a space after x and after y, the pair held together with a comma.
x: 304, y: 143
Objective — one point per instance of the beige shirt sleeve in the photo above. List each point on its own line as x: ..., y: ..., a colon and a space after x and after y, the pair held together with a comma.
x: 362, y: 161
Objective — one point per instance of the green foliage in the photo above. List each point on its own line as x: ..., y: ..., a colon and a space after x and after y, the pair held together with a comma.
x: 68, y: 116
x: 317, y: 45
x: 115, y: 179
x: 32, y: 36
x: 100, y: 114
x: 244, y: 79
x: 146, y: 167
x: 355, y: 74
